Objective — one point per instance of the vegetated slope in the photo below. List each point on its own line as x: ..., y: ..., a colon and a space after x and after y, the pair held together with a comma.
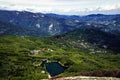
x: 10, y: 29
x: 94, y: 37
x: 96, y: 48
x: 7, y: 28
x: 44, y: 25
x: 17, y: 63
x: 40, y: 24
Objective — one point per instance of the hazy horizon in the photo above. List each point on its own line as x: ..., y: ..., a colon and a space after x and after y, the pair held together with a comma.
x: 64, y: 7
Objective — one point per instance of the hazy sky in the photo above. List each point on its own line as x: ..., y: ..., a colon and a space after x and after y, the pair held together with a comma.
x: 79, y: 7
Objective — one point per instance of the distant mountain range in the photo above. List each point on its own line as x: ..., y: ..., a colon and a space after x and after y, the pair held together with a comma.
x: 42, y: 25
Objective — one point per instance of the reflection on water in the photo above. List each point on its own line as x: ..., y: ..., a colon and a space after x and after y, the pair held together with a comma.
x: 54, y: 68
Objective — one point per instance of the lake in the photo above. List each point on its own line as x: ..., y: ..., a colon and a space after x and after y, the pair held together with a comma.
x: 54, y: 68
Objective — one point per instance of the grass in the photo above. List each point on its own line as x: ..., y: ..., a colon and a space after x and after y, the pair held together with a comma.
x: 16, y: 64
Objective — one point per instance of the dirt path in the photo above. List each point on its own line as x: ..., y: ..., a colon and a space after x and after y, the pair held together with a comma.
x: 86, y: 78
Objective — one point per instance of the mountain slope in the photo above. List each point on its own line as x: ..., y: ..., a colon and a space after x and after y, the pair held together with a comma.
x: 10, y: 29
x: 37, y: 22
x: 44, y: 25
x: 84, y: 37
x: 7, y: 28
x: 17, y: 63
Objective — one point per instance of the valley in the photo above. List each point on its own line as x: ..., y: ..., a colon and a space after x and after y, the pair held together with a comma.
x: 16, y: 63
x: 84, y: 45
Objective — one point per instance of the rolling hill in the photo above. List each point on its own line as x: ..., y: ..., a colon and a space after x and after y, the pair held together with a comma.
x: 86, y: 45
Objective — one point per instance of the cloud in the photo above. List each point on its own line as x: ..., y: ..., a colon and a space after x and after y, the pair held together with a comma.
x: 62, y: 6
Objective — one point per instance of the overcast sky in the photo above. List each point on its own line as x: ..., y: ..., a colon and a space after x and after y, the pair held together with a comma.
x: 71, y: 7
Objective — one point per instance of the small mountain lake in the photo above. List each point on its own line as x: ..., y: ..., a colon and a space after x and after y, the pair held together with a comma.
x: 54, y: 68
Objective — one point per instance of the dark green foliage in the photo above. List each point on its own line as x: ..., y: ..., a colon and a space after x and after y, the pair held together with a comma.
x: 18, y: 66
x: 16, y: 63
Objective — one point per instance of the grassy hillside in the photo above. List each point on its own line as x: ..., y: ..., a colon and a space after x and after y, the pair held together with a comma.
x: 17, y: 63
